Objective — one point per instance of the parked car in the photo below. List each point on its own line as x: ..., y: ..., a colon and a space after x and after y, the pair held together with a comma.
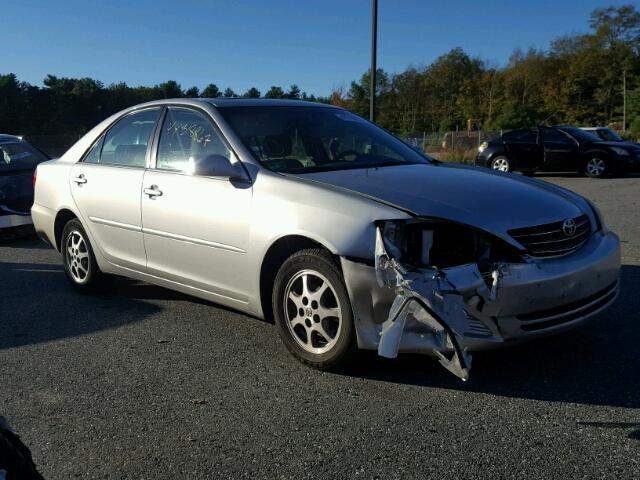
x: 18, y: 161
x: 312, y: 216
x: 558, y: 149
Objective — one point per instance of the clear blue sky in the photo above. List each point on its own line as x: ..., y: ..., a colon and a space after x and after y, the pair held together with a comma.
x: 318, y: 44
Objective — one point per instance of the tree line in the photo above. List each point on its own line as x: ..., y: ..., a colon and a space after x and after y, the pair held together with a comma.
x: 72, y: 106
x: 581, y: 79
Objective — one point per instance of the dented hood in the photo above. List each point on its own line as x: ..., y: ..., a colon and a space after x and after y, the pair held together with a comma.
x: 478, y: 197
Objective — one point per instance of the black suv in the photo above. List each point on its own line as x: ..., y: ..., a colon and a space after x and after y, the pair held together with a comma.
x: 558, y: 149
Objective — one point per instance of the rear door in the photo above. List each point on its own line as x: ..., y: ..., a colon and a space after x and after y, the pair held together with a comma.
x: 196, y: 228
x: 523, y: 149
x: 560, y: 150
x: 106, y: 186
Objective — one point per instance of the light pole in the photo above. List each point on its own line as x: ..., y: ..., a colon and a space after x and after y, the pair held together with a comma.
x: 374, y: 42
x: 624, y: 100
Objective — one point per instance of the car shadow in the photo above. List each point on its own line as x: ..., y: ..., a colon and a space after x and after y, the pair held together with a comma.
x: 596, y: 363
x: 57, y: 311
x: 27, y: 241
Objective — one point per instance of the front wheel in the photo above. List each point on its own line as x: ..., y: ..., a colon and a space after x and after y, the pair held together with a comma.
x: 596, y: 167
x: 78, y: 259
x: 501, y: 164
x: 312, y: 309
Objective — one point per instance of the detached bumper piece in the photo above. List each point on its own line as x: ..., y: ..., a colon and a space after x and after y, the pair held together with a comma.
x: 455, y: 304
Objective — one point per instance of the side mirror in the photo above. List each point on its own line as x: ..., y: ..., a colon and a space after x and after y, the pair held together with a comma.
x: 215, y: 166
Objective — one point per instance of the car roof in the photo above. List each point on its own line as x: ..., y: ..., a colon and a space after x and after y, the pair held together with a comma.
x: 262, y: 102
x: 233, y: 102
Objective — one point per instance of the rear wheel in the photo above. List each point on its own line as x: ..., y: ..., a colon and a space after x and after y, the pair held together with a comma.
x: 78, y: 259
x: 596, y: 167
x: 501, y: 164
x: 312, y: 309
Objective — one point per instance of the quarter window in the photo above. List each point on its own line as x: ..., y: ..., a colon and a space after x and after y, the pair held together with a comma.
x: 126, y: 142
x: 186, y: 136
x: 93, y: 155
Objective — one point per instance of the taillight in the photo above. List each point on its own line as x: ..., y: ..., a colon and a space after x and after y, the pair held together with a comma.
x: 35, y: 176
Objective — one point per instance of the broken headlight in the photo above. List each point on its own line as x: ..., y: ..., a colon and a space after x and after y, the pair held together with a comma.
x: 442, y: 244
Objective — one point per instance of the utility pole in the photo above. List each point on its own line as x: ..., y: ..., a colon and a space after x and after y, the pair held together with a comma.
x: 374, y: 44
x: 624, y: 100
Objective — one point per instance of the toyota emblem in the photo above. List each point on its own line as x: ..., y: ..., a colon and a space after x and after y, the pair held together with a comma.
x: 569, y: 227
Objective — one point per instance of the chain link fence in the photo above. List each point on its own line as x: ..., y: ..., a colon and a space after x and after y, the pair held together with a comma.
x: 455, y: 146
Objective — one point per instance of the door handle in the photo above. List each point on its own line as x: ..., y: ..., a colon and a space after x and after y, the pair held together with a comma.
x: 153, y: 191
x: 80, y: 179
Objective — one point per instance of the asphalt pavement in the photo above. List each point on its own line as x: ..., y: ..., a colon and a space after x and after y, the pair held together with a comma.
x: 143, y: 383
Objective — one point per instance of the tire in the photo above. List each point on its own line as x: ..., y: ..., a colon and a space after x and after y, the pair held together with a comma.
x: 78, y: 259
x: 501, y: 163
x: 317, y: 328
x: 596, y: 166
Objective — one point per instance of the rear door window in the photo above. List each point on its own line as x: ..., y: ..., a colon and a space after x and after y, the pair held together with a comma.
x: 550, y: 135
x: 126, y: 142
x: 521, y: 136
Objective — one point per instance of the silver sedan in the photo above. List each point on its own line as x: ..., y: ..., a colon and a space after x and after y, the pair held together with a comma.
x: 342, y: 234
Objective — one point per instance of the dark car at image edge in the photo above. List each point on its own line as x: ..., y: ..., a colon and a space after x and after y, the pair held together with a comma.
x: 18, y: 162
x: 558, y: 149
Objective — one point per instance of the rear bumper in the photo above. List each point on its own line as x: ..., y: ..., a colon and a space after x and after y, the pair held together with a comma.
x: 43, y: 222
x: 9, y: 221
x: 533, y: 299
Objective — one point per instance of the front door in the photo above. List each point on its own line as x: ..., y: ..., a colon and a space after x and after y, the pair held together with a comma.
x: 196, y: 228
x: 523, y: 149
x: 106, y: 186
x: 560, y: 151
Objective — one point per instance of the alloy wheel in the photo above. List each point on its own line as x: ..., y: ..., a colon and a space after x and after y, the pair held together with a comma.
x: 77, y: 256
x: 596, y: 167
x: 313, y: 312
x: 501, y: 164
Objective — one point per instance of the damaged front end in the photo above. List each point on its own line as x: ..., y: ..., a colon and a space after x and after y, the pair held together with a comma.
x: 446, y: 278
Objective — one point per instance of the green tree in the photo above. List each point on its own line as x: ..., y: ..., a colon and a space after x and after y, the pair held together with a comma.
x: 211, y: 91
x: 274, y: 92
x: 170, y: 89
x: 252, y: 93
x: 294, y: 92
x: 193, y: 92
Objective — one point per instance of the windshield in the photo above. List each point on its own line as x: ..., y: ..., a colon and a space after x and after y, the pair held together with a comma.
x: 19, y: 156
x: 608, y: 134
x: 581, y: 135
x: 312, y: 139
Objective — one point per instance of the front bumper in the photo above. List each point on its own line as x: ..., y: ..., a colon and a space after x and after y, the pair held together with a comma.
x: 531, y: 299
x: 627, y: 163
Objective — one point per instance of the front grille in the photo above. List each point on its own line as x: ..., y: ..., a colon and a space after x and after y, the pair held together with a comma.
x: 552, y: 317
x: 549, y: 240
